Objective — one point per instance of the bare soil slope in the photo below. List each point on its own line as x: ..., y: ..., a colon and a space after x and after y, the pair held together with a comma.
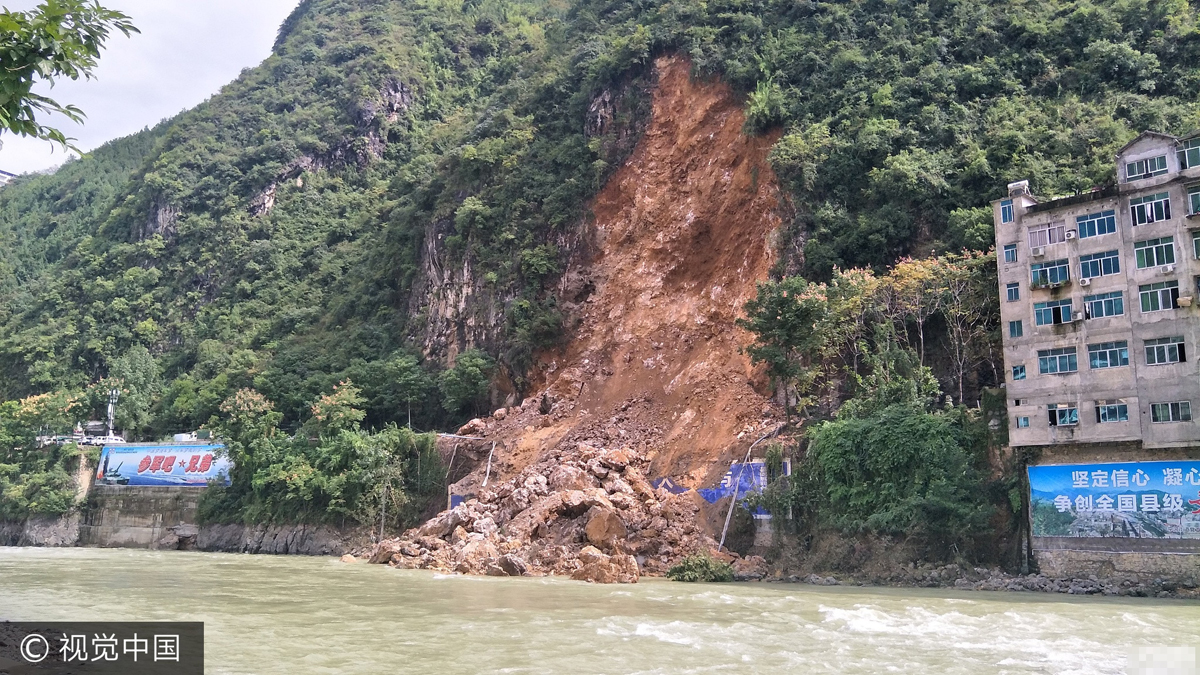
x: 653, y: 372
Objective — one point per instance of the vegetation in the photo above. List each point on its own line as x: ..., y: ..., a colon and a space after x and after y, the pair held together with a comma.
x: 61, y: 38
x: 332, y: 471
x: 310, y: 224
x: 701, y: 567
x: 886, y: 452
x: 36, y: 480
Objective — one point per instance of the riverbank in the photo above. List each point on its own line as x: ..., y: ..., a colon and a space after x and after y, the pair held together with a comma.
x: 981, y: 579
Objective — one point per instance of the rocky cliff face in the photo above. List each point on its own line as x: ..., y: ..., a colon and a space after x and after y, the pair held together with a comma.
x: 652, y: 382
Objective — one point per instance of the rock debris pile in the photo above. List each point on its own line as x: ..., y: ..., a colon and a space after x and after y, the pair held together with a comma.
x: 588, y: 513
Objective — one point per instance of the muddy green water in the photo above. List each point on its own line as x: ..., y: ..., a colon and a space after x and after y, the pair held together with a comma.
x: 279, y: 614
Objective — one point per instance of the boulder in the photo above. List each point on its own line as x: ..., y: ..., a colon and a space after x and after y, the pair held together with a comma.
x: 565, y: 478
x: 750, y: 568
x: 384, y: 551
x: 604, y: 569
x: 485, y: 526
x: 349, y: 558
x: 475, y: 427
x: 500, y: 413
x: 513, y: 566
x: 604, y: 527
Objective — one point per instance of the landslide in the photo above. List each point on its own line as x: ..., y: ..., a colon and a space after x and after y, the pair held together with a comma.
x: 653, y: 382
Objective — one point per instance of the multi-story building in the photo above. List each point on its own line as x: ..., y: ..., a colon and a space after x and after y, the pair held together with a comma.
x: 1098, y: 303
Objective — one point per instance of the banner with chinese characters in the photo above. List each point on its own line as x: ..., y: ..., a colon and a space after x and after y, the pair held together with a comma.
x: 162, y: 465
x: 1154, y: 500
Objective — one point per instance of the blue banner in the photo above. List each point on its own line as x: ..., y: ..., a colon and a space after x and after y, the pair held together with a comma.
x: 1150, y: 500
x: 162, y: 465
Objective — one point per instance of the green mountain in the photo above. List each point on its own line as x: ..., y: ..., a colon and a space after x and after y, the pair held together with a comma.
x: 399, y: 182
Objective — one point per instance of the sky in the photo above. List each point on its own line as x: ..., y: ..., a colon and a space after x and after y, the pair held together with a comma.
x: 187, y: 50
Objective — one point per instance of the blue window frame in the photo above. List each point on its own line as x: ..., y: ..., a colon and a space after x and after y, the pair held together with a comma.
x: 1063, y: 415
x: 1018, y: 372
x: 1096, y: 224
x: 1014, y: 291
x: 1049, y: 273
x: 1022, y: 422
x: 1108, y: 354
x: 1010, y: 253
x: 1055, y: 311
x: 1146, y: 168
x: 1099, y: 264
x: 1112, y: 411
x: 1015, y: 329
x: 1103, y: 304
x: 1057, y: 361
x: 1007, y: 215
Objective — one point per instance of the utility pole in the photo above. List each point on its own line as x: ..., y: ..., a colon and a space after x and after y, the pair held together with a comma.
x: 113, y: 395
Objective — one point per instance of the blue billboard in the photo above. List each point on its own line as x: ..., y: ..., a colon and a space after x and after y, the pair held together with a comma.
x: 1148, y: 500
x: 162, y: 465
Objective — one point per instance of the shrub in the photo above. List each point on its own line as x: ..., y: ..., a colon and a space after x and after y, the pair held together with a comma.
x: 701, y: 567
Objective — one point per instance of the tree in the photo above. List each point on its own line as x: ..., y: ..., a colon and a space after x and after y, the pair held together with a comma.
x: 784, y: 317
x: 135, y: 373
x: 60, y: 38
x: 466, y: 384
x: 408, y: 379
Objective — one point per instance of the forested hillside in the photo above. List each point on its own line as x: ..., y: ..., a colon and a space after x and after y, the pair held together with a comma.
x: 400, y: 182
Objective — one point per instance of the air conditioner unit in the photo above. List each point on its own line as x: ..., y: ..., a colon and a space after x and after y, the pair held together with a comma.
x: 1071, y: 234
x: 1039, y: 251
x: 1085, y: 282
x: 1166, y: 269
x: 1077, y: 316
x: 1184, y: 301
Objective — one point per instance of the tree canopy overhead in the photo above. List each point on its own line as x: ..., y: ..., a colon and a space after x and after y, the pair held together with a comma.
x: 59, y: 38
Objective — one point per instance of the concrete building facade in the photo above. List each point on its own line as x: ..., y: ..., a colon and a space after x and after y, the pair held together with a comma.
x: 1100, y: 318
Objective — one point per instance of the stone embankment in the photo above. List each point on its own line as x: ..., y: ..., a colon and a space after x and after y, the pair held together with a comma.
x: 994, y: 579
x: 588, y: 513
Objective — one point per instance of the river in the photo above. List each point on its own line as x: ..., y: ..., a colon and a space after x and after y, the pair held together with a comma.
x: 290, y: 614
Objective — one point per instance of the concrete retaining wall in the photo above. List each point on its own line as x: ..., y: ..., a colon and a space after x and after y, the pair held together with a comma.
x: 1180, y: 568
x: 139, y: 517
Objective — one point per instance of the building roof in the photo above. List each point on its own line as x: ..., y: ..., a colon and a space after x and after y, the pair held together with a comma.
x: 1146, y: 134
x: 1082, y: 198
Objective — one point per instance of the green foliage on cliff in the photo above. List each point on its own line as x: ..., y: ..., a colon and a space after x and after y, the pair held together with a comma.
x: 332, y: 471
x: 36, y: 480
x: 327, y: 215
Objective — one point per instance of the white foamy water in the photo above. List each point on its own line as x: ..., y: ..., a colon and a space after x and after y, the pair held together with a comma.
x: 266, y: 614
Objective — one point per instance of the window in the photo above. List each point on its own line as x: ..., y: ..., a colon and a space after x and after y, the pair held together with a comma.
x: 1196, y: 244
x: 1018, y: 372
x: 1179, y: 411
x: 1108, y: 354
x: 1160, y: 296
x: 1049, y: 273
x: 1006, y: 211
x: 1051, y: 234
x: 1014, y: 291
x: 1165, y: 350
x: 1194, y: 200
x: 1112, y: 411
x: 1010, y: 253
x: 1063, y: 415
x: 1015, y: 329
x: 1099, y: 264
x: 1061, y: 360
x: 1096, y: 224
x: 1154, y: 252
x: 1146, y: 168
x: 1022, y: 422
x: 1189, y: 154
x: 1053, y: 312
x: 1150, y: 209
x: 1104, y: 304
